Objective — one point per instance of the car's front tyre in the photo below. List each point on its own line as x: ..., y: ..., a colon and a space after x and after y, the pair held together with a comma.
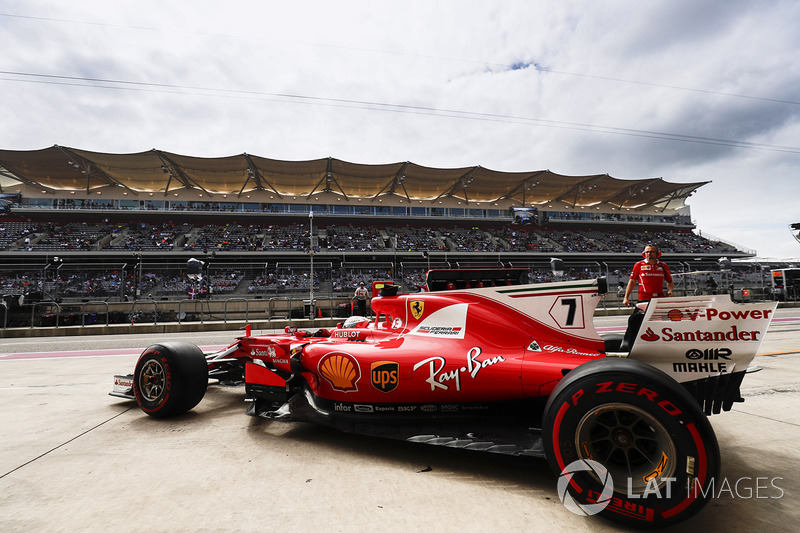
x: 170, y: 378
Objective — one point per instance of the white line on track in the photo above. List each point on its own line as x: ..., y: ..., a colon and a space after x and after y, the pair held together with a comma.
x: 123, y: 352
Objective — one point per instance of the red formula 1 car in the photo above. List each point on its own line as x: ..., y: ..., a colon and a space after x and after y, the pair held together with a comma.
x: 515, y: 369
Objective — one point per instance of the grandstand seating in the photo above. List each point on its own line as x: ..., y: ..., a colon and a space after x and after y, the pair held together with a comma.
x: 141, y: 237
x: 95, y: 240
x: 17, y: 236
x: 230, y: 237
x: 276, y: 237
x: 289, y: 238
x: 417, y: 238
x: 343, y: 238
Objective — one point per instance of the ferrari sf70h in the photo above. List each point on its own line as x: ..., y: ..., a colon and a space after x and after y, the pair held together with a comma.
x: 505, y: 368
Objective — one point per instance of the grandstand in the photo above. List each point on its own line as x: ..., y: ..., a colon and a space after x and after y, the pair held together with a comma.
x: 85, y: 225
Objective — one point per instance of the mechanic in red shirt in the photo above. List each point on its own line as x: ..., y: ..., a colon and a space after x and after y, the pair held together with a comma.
x: 650, y: 273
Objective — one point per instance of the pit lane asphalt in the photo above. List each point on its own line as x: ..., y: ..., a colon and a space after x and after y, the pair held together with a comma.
x: 73, y: 458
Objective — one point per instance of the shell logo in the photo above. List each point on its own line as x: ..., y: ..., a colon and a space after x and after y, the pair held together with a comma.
x: 341, y: 370
x: 675, y: 315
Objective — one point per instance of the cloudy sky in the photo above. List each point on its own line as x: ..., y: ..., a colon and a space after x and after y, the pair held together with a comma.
x: 686, y: 90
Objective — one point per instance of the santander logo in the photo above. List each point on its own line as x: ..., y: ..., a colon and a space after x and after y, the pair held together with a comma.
x: 650, y: 336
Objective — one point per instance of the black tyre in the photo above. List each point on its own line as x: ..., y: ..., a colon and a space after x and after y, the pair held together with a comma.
x: 630, y: 444
x: 170, y: 378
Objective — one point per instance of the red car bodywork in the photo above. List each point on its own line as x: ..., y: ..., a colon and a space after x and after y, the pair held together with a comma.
x: 446, y: 347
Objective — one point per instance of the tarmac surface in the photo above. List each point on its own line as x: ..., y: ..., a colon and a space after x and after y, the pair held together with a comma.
x: 73, y: 458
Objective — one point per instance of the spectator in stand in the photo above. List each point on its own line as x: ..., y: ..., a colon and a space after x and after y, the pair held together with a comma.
x: 650, y: 273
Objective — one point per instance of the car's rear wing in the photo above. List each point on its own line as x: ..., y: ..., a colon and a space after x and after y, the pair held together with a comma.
x: 704, y: 342
x: 692, y: 337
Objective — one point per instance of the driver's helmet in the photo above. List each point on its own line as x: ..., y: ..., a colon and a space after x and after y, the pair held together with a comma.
x: 355, y: 322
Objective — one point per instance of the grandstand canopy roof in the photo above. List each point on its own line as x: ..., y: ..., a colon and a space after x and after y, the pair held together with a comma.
x: 61, y: 168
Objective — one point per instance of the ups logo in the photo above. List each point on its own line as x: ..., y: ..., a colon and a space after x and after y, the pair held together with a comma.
x: 384, y: 375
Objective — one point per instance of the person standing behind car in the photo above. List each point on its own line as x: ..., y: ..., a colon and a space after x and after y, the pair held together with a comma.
x: 360, y: 297
x: 650, y: 273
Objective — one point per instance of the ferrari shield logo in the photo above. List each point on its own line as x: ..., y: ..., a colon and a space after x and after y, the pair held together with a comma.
x: 417, y: 308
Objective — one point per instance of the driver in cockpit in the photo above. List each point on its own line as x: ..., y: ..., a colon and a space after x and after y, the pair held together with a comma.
x: 355, y: 322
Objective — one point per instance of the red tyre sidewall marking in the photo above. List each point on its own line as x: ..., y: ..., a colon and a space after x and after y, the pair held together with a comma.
x: 559, y: 459
x: 701, y: 474
x: 167, y: 386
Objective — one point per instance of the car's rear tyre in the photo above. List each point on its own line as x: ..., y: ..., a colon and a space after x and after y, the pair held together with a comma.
x: 170, y: 378
x: 630, y: 444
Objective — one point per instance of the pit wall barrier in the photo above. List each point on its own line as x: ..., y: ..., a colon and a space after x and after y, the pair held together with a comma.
x: 146, y: 316
x: 97, y: 317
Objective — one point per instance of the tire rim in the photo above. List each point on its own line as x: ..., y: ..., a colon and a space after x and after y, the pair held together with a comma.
x: 631, y: 443
x: 152, y: 380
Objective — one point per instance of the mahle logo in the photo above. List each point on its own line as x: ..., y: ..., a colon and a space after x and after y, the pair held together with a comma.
x: 600, y: 472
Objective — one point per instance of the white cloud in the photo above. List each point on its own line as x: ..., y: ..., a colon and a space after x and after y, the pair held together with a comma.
x: 596, y: 87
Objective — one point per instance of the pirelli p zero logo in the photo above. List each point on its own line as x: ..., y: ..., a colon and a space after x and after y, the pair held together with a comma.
x: 384, y: 375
